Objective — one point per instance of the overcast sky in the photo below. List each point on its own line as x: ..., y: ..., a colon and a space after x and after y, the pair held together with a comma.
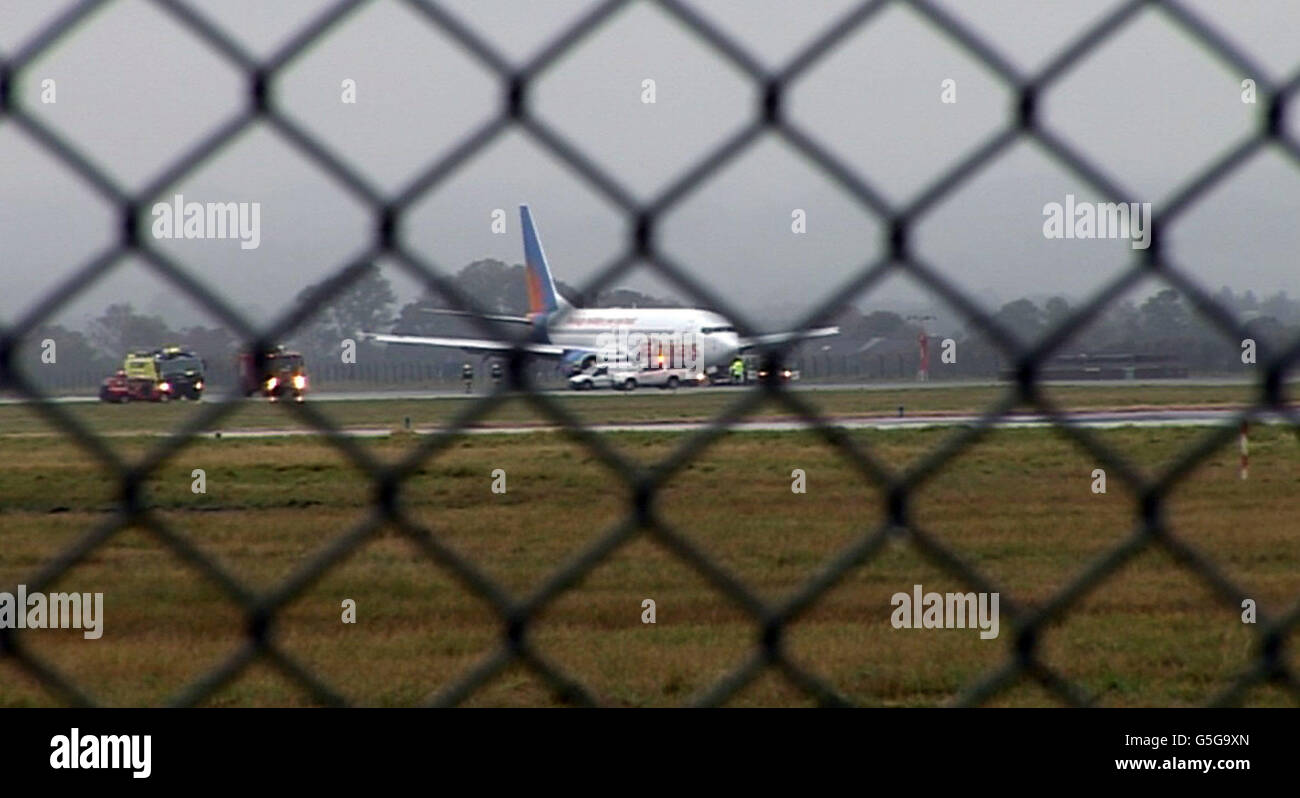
x: 134, y: 90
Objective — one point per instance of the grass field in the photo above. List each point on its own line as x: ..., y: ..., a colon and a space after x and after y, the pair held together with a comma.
x: 1017, y: 506
x: 608, y: 407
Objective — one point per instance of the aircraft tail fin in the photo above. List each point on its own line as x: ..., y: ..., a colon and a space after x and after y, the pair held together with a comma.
x: 542, y: 296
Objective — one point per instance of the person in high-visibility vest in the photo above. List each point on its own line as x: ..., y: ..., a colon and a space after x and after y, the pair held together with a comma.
x: 738, y: 370
x: 467, y: 374
x: 496, y: 373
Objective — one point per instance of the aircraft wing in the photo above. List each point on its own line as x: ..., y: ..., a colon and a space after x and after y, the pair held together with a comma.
x: 475, y: 344
x: 767, y: 339
x: 489, y: 316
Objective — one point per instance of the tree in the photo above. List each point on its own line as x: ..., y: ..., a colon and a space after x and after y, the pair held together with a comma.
x: 365, y: 305
x: 627, y: 298
x: 881, y: 323
x: 1023, y: 318
x: 216, y: 345
x: 121, y: 328
x: 73, y: 353
x: 496, y: 287
x: 1227, y: 300
x: 1269, y: 334
x: 1056, y: 311
x: 1165, y: 317
x: 209, y: 342
x: 1119, y: 328
x: 1280, y: 307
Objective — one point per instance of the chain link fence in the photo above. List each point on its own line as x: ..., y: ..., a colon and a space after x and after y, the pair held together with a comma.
x: 770, y: 620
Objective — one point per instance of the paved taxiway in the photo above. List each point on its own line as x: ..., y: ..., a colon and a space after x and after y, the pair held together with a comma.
x: 458, y: 391
x: 1096, y: 420
x: 1159, y: 417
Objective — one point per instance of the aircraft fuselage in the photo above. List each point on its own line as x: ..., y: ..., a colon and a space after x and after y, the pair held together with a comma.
x: 592, y: 329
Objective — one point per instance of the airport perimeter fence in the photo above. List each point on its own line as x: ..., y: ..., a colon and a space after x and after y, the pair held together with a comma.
x: 770, y: 620
x: 410, y: 375
x: 398, y: 376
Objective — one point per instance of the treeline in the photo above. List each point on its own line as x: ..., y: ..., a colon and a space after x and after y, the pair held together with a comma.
x: 1165, y: 325
x: 56, y: 357
x: 80, y: 358
x: 875, y: 344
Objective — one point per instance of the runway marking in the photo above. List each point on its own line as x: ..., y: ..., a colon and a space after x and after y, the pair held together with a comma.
x: 1088, y: 419
x: 456, y: 391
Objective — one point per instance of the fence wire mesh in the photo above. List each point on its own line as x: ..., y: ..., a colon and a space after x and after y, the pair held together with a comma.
x: 770, y: 619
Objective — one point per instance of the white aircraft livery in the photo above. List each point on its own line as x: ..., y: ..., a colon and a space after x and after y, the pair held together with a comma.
x: 581, y: 336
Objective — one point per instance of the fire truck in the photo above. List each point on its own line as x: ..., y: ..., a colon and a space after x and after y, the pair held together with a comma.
x: 282, y: 375
x: 156, y: 375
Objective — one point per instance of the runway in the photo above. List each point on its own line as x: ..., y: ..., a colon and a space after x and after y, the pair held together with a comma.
x: 1092, y: 420
x: 481, y: 389
x: 1173, y: 416
x: 458, y: 392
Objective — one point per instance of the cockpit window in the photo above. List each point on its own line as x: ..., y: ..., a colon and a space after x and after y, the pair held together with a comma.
x: 707, y: 330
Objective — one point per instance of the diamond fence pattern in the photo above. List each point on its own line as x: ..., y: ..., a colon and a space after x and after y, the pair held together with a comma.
x: 770, y: 619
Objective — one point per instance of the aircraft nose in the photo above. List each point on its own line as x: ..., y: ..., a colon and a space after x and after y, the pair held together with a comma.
x: 723, y: 345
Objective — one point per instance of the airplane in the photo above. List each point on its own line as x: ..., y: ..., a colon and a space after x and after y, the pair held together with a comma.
x: 578, y: 337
